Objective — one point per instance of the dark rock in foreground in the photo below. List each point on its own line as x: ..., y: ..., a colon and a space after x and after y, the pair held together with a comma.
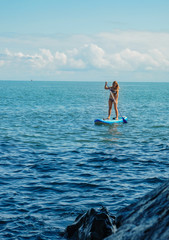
x: 93, y: 225
x: 147, y: 219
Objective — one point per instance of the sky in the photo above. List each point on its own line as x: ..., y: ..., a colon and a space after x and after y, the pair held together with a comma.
x: 91, y: 40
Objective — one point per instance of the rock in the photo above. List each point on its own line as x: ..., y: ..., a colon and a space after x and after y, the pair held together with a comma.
x: 147, y: 219
x: 93, y: 225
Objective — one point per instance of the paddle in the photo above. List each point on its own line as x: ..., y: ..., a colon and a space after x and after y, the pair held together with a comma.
x: 124, y: 120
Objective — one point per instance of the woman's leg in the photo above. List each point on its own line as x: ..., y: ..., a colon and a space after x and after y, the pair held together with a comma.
x: 116, y: 110
x: 110, y: 108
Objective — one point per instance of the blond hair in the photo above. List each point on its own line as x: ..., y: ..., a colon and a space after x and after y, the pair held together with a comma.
x: 116, y: 86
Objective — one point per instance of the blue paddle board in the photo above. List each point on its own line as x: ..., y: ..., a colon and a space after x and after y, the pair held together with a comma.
x: 111, y: 121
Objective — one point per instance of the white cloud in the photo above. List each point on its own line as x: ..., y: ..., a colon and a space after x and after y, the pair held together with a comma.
x: 76, y: 63
x: 61, y: 58
x: 108, y: 52
x: 161, y: 59
x: 7, y: 52
x: 92, y: 56
x: 137, y: 40
x: 132, y: 60
x: 37, y: 60
x: 47, y: 55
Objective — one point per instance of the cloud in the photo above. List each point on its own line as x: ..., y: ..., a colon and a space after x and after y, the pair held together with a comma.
x: 47, y: 54
x: 91, y: 56
x: 132, y: 60
x: 106, y: 52
x: 94, y: 55
x: 61, y: 58
x: 137, y: 40
x: 161, y: 59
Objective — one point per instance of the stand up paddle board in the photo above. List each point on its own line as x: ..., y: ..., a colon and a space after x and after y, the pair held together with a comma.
x: 110, y: 121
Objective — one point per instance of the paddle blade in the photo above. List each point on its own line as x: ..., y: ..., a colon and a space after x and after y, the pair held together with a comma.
x: 124, y: 120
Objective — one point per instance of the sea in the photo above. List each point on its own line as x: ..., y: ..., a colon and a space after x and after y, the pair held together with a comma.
x: 55, y: 163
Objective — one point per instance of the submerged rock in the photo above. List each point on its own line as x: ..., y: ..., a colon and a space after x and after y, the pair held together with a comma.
x: 147, y: 219
x: 93, y: 225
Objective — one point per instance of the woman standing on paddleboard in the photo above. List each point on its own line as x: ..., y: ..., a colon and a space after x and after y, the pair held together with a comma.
x: 113, y: 98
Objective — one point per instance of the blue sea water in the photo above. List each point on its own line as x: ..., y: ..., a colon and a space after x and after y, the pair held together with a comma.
x: 55, y: 163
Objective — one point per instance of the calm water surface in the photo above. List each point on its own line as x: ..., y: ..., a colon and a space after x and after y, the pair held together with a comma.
x: 55, y: 163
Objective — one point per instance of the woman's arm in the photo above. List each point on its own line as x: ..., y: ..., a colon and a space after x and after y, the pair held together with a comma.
x: 105, y: 86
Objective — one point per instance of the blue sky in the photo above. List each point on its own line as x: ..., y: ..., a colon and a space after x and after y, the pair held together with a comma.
x: 84, y: 40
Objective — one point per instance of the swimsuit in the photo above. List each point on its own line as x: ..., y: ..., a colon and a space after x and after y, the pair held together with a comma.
x: 115, y: 92
x: 111, y: 99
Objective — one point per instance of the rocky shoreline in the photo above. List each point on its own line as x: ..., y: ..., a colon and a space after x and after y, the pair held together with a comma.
x: 146, y: 219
